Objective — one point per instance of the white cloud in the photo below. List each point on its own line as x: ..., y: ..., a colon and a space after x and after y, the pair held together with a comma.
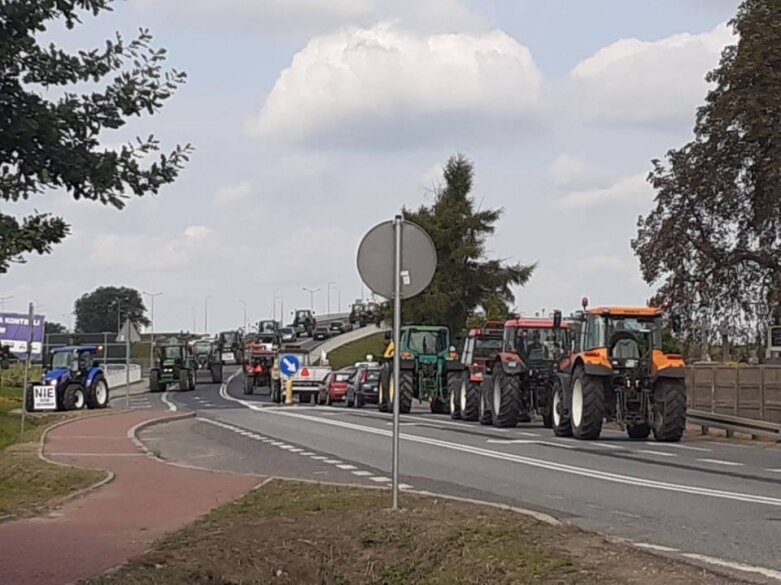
x: 231, y: 194
x: 627, y: 191
x: 304, y: 18
x: 370, y: 83
x: 198, y: 232
x: 640, y: 81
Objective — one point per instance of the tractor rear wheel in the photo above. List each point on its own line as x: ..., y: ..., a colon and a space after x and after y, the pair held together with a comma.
x: 406, y: 391
x: 97, y: 395
x: 276, y: 392
x: 588, y: 405
x: 669, y: 409
x: 484, y: 403
x: 73, y: 397
x: 505, y: 398
x: 469, y: 400
x: 559, y: 411
x: 454, y: 383
x: 184, y: 381
x: 216, y: 374
x: 383, y: 400
x: 154, y: 381
x: 248, y: 384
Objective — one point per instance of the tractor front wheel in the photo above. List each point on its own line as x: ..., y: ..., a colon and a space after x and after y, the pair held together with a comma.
x: 154, y: 381
x: 248, y: 384
x: 216, y: 374
x: 383, y: 400
x: 505, y: 398
x: 669, y: 409
x: 97, y: 396
x: 73, y: 397
x: 469, y: 400
x: 484, y: 404
x: 588, y: 405
x: 406, y: 391
x: 560, y: 414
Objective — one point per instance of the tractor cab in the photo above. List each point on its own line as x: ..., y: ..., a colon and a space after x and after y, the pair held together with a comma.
x: 537, y: 341
x: 71, y: 362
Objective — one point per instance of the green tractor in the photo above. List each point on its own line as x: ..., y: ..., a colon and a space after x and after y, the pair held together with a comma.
x: 174, y: 364
x: 430, y: 369
x: 207, y: 358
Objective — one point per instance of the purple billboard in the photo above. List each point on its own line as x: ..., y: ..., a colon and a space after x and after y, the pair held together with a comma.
x: 14, y: 332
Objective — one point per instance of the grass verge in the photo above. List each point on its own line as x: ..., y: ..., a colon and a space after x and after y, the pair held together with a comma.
x: 293, y: 533
x: 29, y: 485
x: 356, y: 351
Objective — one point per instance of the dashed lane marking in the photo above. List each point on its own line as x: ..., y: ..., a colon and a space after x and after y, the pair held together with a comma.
x: 529, y: 442
x: 721, y: 462
x: 347, y: 467
x: 362, y: 473
x: 659, y: 453
x: 656, y: 547
x: 678, y: 446
x: 380, y: 479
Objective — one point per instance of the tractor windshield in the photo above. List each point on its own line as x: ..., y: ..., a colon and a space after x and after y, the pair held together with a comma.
x: 537, y: 344
x: 486, y: 348
x: 172, y: 352
x: 640, y: 328
x: 428, y: 342
x: 202, y: 348
x: 62, y: 359
x: 302, y: 315
x: 229, y: 337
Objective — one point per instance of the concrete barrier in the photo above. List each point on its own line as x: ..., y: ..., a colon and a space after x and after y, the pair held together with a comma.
x: 116, y: 374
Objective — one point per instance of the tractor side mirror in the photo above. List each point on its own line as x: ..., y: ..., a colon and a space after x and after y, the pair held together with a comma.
x: 675, y: 323
x: 557, y: 319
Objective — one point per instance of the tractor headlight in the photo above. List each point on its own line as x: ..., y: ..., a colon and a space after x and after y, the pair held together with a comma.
x: 52, y: 382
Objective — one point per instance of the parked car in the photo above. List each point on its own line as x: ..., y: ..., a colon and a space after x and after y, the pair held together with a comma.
x: 334, y: 388
x: 336, y: 327
x: 363, y: 386
x: 287, y: 334
x: 321, y: 333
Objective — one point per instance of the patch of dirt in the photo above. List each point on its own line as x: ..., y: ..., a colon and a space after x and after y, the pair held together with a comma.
x: 291, y: 533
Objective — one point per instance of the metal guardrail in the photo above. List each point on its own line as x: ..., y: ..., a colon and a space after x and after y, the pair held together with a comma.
x: 733, y: 424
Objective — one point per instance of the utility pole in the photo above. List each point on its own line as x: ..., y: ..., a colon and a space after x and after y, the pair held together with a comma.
x: 152, y: 329
x: 193, y: 312
x: 311, y: 292
x: 243, y: 302
x: 119, y: 317
x: 206, y: 314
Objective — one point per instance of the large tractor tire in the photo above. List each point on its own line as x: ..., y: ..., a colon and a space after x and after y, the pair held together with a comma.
x: 588, y: 405
x: 29, y: 400
x: 454, y: 383
x: 184, y: 380
x: 560, y: 414
x: 249, y: 384
x: 97, y: 395
x: 547, y: 410
x: 484, y: 405
x: 154, y: 381
x: 505, y: 399
x: 669, y: 409
x: 73, y: 397
x: 469, y: 400
x: 216, y: 371
x: 638, y: 431
x: 276, y: 392
x: 383, y: 400
x: 439, y: 406
x: 406, y: 391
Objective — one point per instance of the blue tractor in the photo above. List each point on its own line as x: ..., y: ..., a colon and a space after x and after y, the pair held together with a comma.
x: 77, y: 377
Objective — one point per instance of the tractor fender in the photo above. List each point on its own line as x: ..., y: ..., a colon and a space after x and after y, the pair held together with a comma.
x: 564, y: 380
x: 511, y: 363
x: 597, y: 370
x: 407, y: 364
x: 671, y: 372
x: 91, y: 375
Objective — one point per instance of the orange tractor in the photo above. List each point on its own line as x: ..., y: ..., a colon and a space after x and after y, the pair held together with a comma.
x: 533, y: 351
x: 258, y: 363
x: 618, y: 372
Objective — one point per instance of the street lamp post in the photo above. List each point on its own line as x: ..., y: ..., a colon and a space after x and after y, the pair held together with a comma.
x: 339, y: 297
x: 311, y: 292
x: 244, y: 303
x: 206, y: 314
x: 152, y: 326
x: 193, y: 312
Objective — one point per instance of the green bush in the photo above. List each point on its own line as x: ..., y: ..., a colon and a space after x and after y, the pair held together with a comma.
x: 14, y: 376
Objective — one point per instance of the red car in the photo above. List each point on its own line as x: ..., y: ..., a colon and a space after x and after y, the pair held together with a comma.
x: 334, y: 387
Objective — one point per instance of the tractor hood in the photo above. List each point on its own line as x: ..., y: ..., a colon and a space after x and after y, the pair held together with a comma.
x: 427, y: 358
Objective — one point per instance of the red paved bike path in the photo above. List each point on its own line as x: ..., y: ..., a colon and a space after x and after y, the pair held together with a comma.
x: 89, y: 535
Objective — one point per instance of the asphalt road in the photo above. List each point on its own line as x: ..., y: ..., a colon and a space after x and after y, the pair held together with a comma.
x: 710, y: 501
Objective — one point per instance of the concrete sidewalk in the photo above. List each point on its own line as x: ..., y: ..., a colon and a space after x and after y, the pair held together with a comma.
x: 146, y: 500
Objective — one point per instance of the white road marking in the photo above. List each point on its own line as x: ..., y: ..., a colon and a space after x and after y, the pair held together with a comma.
x: 406, y: 486
x: 770, y: 573
x: 678, y: 446
x: 276, y: 443
x: 296, y: 450
x: 331, y: 461
x: 603, y: 445
x: 543, y: 464
x: 721, y: 462
x: 287, y: 447
x: 774, y: 470
x: 525, y: 434
x: 306, y: 453
x: 529, y: 442
x: 346, y: 466
x: 171, y: 406
x: 319, y: 458
x: 380, y: 479
x: 660, y: 453
x: 362, y: 473
x: 656, y: 547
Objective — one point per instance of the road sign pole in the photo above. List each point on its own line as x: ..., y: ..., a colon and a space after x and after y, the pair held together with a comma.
x: 397, y: 227
x: 28, y: 359
x: 127, y: 365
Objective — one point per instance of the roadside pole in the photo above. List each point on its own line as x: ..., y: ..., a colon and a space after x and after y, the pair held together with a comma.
x: 28, y: 359
x: 127, y: 365
x: 397, y: 236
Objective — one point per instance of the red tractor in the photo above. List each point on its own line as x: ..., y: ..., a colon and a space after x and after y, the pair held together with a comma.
x: 258, y: 363
x: 481, y: 348
x: 523, y: 374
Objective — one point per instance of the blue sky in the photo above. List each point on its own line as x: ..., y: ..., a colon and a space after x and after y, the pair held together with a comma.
x: 315, y: 119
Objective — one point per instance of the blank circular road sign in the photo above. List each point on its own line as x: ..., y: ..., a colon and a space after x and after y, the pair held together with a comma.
x: 418, y: 259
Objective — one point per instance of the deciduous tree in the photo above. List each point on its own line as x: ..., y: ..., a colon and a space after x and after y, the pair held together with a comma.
x: 107, y: 308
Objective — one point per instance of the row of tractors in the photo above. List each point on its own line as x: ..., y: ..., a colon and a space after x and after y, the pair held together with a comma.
x: 599, y: 364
